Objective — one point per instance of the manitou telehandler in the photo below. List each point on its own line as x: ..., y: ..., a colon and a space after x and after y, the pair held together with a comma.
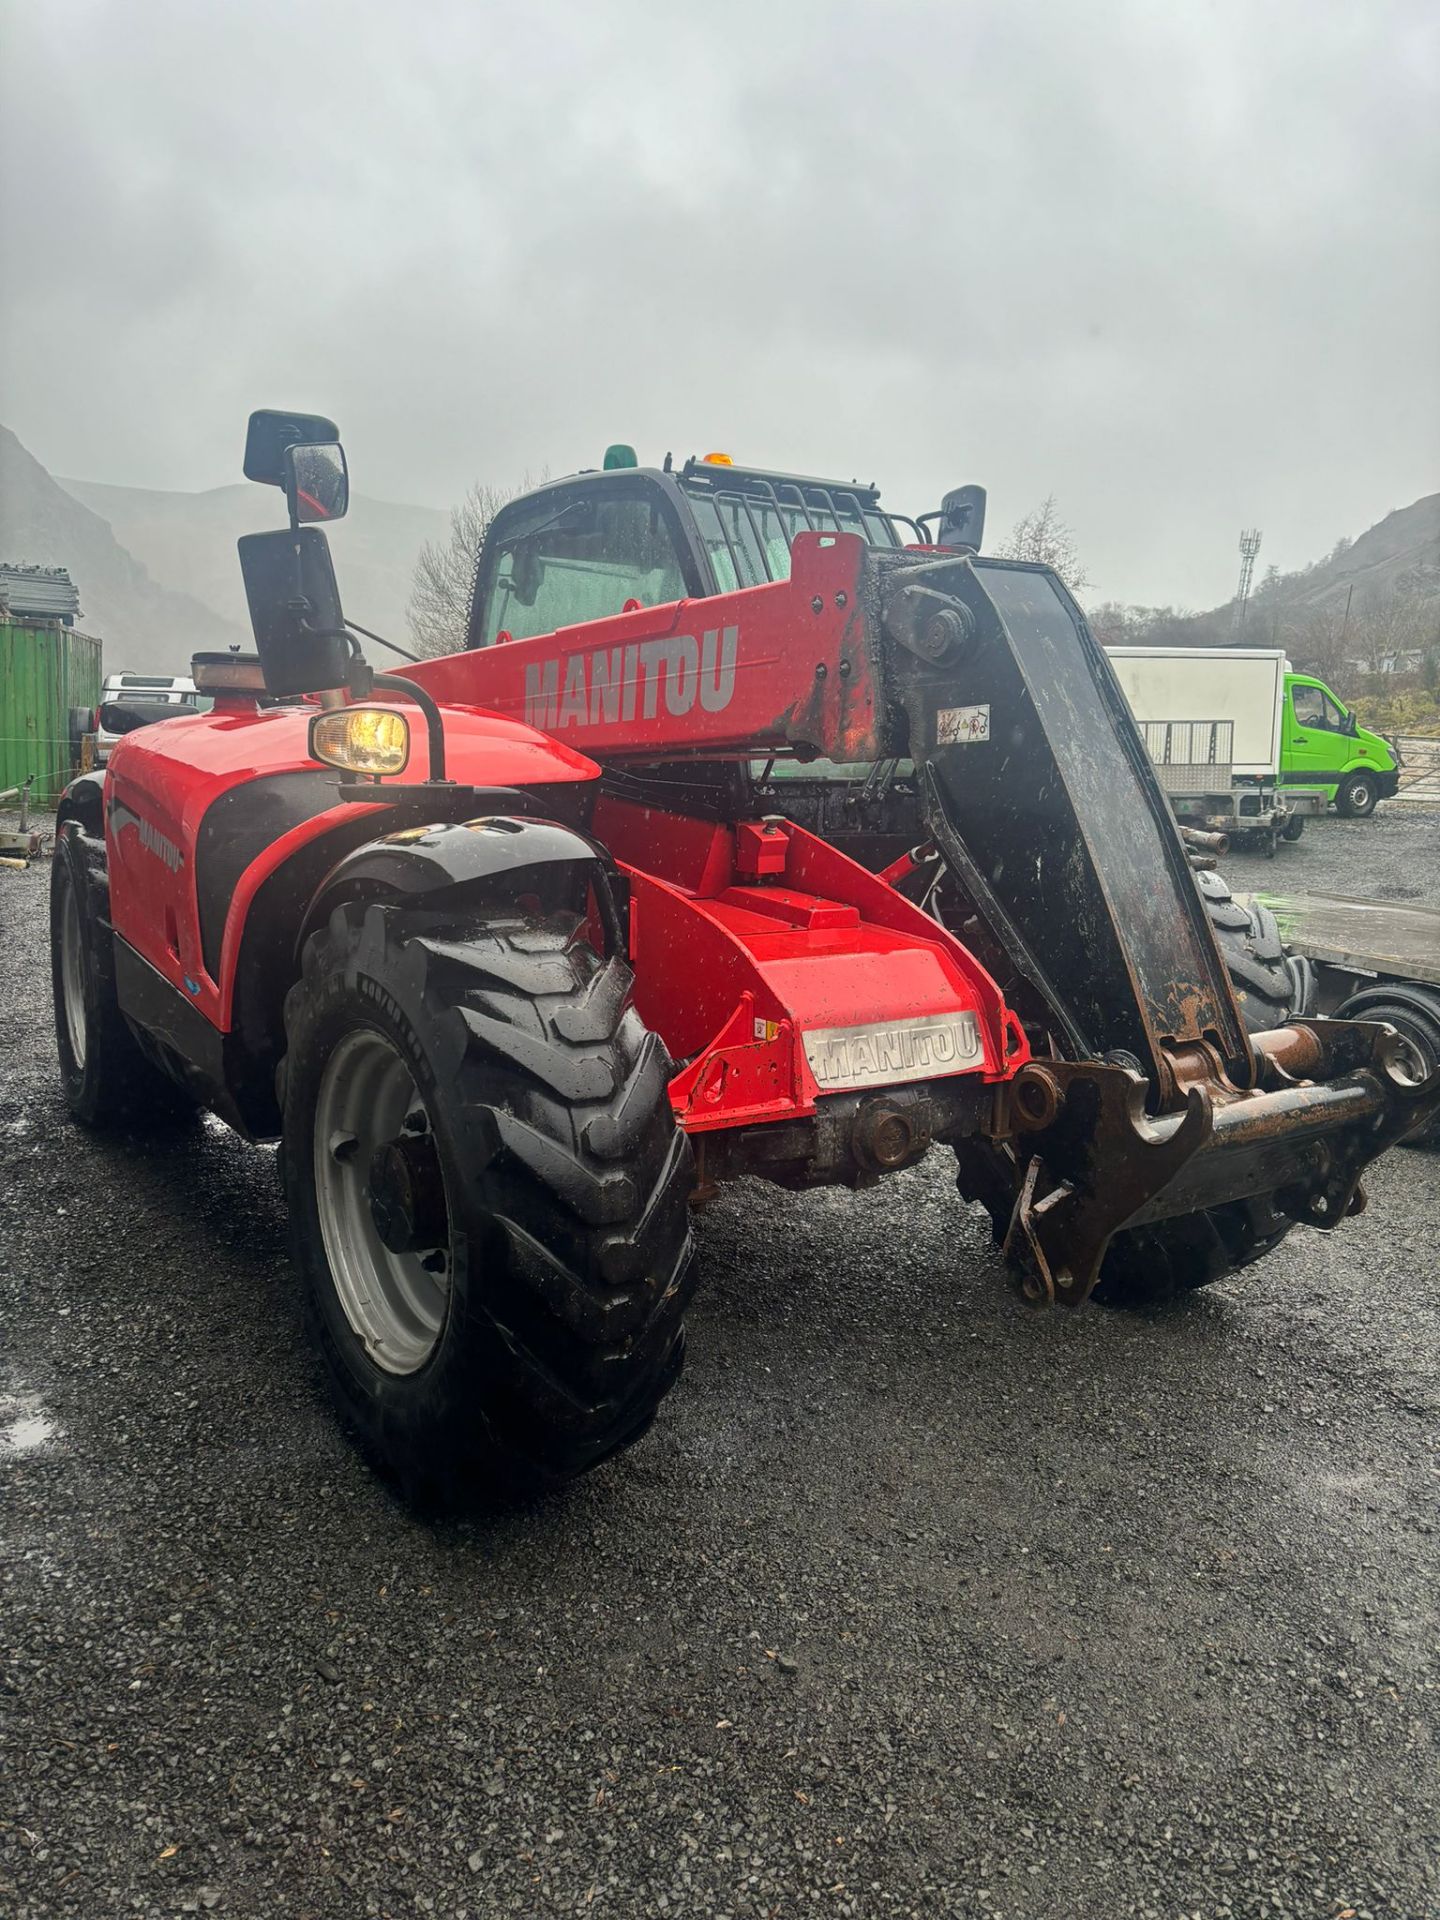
x: 755, y: 830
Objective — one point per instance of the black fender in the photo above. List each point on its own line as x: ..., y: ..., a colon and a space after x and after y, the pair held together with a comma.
x: 84, y: 800
x: 425, y: 864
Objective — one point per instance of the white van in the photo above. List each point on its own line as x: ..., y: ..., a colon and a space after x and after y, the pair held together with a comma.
x: 167, y: 693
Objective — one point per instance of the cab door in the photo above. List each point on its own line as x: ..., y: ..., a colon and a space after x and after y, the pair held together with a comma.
x: 1317, y: 744
x: 580, y: 551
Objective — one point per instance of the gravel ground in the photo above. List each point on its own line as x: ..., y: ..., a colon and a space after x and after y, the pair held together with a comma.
x: 912, y: 1603
x: 1394, y: 855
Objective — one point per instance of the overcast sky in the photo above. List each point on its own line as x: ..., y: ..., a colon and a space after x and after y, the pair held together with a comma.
x: 1178, y: 263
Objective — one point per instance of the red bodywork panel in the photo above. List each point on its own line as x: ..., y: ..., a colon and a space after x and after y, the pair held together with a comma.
x: 770, y: 990
x: 163, y: 779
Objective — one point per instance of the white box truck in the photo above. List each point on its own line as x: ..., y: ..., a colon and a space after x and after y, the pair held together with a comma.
x: 1213, y: 719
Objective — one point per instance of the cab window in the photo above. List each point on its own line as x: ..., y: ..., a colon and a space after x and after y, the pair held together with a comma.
x: 570, y: 561
x: 1309, y: 705
x: 748, y: 536
x: 1334, y: 719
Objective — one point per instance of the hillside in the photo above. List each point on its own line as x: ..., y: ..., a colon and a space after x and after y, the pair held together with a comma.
x: 144, y: 624
x: 188, y: 541
x: 1398, y: 555
x: 1368, y: 597
x: 157, y: 571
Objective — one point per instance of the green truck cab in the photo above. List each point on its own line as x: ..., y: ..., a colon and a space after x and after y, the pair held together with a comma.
x: 1324, y: 746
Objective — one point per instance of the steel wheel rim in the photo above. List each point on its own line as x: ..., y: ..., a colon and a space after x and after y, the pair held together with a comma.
x: 1414, y: 1057
x: 1360, y: 795
x: 72, y: 974
x: 395, y: 1304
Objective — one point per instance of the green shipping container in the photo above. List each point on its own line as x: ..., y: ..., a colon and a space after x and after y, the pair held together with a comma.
x: 45, y: 671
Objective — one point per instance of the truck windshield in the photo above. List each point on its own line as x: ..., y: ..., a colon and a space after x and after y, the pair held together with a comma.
x: 748, y: 534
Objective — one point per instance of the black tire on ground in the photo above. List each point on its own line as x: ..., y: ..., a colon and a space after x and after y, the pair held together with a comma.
x: 1145, y: 1266
x: 107, y: 1079
x: 1414, y: 1012
x: 558, y: 1226
x: 1293, y: 827
x: 1357, y: 796
x: 1253, y: 952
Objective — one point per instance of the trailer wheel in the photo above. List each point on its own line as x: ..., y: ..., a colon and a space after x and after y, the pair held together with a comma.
x: 1414, y: 1012
x: 107, y: 1079
x: 1294, y: 826
x: 489, y: 1196
x: 1357, y: 797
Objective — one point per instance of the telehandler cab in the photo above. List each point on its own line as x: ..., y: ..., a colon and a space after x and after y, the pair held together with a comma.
x: 756, y: 830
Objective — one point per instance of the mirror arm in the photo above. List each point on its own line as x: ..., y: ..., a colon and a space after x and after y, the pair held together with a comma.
x: 381, y: 641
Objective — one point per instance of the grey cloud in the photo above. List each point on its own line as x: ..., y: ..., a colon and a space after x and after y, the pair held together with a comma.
x: 1178, y: 265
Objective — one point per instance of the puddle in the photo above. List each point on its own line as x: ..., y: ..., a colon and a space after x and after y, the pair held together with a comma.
x: 25, y: 1426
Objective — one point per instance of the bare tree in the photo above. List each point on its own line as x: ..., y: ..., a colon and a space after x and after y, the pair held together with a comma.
x: 439, y: 604
x: 1041, y: 535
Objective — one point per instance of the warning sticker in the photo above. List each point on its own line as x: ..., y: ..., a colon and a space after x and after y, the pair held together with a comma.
x: 961, y: 726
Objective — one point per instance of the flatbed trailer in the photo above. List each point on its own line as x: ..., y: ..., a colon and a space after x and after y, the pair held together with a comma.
x: 1369, y: 960
x: 1359, y: 941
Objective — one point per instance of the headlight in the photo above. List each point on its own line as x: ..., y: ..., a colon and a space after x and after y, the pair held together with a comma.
x: 361, y: 739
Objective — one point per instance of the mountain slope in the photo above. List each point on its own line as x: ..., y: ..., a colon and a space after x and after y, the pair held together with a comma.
x: 1374, y: 595
x: 1398, y: 555
x: 188, y: 540
x: 143, y: 624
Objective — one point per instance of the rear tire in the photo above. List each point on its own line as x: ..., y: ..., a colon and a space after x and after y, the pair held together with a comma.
x: 1293, y: 827
x: 107, y: 1079
x: 556, y: 1235
x: 1357, y: 796
x: 1253, y: 952
x: 1145, y: 1266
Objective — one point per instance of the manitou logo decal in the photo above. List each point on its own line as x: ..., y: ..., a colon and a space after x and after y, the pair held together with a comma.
x: 892, y: 1051
x: 151, y: 837
x: 617, y: 683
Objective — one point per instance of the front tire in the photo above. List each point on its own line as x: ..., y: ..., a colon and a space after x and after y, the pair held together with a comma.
x: 107, y: 1080
x: 1357, y: 797
x: 489, y: 1195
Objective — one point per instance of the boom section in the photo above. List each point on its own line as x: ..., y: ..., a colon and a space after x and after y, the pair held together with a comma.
x: 792, y: 665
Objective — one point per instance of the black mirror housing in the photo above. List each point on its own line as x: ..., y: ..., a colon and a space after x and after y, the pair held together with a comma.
x: 295, y: 610
x: 271, y: 433
x: 317, y: 482
x: 962, y: 519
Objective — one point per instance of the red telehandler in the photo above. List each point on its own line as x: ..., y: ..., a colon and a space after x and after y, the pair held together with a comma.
x: 756, y: 830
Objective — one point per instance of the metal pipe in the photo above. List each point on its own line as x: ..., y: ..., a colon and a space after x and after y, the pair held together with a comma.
x: 434, y: 721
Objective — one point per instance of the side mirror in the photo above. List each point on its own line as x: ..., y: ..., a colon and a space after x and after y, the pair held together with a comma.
x: 525, y: 574
x: 962, y: 519
x: 270, y: 435
x: 295, y: 610
x: 317, y: 482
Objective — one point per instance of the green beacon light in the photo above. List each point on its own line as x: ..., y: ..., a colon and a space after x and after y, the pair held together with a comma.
x: 619, y: 456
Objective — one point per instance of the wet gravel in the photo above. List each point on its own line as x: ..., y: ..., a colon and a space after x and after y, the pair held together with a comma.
x: 1394, y: 855
x: 913, y: 1603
